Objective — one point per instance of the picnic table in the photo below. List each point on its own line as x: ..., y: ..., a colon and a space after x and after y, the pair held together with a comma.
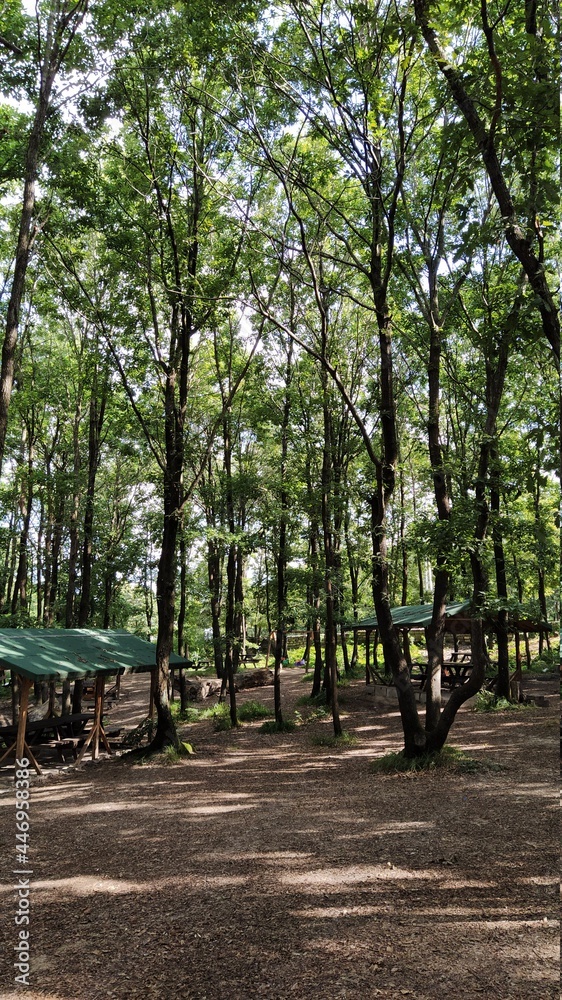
x: 453, y: 674
x: 62, y: 726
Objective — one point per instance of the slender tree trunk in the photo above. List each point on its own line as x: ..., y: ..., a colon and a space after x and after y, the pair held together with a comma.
x: 74, y: 541
x: 96, y: 417
x: 485, y: 141
x: 330, y: 635
x: 183, y: 599
x: 166, y: 734
x: 54, y: 49
x: 502, y: 635
x: 40, y: 553
x: 19, y: 596
x: 282, y: 549
x: 214, y: 570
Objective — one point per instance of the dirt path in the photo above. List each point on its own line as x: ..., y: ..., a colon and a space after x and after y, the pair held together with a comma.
x: 273, y: 868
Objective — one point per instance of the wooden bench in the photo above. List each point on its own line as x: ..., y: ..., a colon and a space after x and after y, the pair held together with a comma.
x: 57, y: 724
x: 73, y: 743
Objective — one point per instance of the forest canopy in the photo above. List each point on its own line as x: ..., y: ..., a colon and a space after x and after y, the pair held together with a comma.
x: 281, y: 335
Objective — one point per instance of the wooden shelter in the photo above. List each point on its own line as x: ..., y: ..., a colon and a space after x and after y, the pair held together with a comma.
x: 458, y: 620
x: 72, y: 654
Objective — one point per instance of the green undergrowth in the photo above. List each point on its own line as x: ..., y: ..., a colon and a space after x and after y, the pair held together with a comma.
x: 171, y: 755
x: 330, y: 740
x: 219, y: 714
x: 488, y: 701
x: 287, y: 726
x: 251, y: 710
x: 191, y: 714
x: 448, y: 759
x: 317, y: 705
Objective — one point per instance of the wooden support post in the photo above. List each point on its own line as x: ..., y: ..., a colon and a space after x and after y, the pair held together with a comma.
x: 367, y: 657
x: 97, y: 732
x: 20, y: 746
x: 22, y: 721
x: 516, y: 691
x: 98, y: 712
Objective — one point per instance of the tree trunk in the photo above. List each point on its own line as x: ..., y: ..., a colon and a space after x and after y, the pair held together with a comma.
x: 55, y: 46
x: 19, y: 596
x: 96, y: 417
x: 484, y: 138
x: 74, y: 542
x: 214, y: 570
x: 502, y: 635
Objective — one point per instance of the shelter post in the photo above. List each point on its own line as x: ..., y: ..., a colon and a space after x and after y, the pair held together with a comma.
x: 20, y: 746
x: 97, y: 730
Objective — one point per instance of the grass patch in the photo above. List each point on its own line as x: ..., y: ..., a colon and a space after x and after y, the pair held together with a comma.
x: 330, y: 740
x: 488, y: 701
x: 252, y: 710
x: 448, y: 759
x: 219, y: 714
x: 357, y: 673
x: 308, y: 677
x: 287, y: 726
x: 191, y: 714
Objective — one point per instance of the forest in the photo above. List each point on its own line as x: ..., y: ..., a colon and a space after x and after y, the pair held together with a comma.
x: 280, y: 326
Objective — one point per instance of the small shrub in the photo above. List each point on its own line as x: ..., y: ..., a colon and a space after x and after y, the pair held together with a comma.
x: 549, y: 658
x: 251, y: 710
x: 191, y: 714
x: 220, y: 715
x: 449, y: 759
x: 487, y: 701
x: 287, y: 726
x: 319, y: 708
x: 330, y: 740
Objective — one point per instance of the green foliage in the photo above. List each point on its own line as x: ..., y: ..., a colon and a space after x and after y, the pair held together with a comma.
x: 448, y: 759
x: 220, y: 715
x: 191, y: 714
x: 336, y: 742
x: 287, y: 726
x: 318, y: 706
x: 549, y: 658
x: 487, y: 701
x: 252, y: 710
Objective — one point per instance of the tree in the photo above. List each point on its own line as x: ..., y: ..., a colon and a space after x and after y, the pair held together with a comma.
x: 56, y: 27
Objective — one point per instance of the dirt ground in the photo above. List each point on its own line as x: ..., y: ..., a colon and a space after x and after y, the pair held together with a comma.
x: 269, y: 867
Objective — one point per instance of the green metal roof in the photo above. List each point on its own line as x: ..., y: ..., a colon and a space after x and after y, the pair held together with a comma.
x: 42, y: 654
x: 411, y: 616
